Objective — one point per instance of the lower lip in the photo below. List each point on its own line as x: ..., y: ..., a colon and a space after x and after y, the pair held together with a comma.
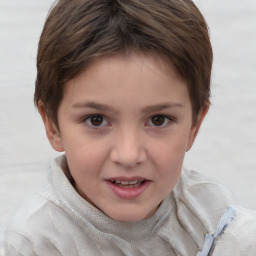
x: 128, y: 193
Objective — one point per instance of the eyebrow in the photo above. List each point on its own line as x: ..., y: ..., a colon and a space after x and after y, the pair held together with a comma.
x: 148, y: 109
x: 91, y: 104
x: 160, y: 107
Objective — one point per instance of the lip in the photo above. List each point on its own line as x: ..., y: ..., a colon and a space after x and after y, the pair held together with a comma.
x: 127, y: 193
x: 127, y: 178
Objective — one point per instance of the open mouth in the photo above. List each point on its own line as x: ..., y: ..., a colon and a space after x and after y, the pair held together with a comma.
x: 128, y: 188
x: 128, y: 184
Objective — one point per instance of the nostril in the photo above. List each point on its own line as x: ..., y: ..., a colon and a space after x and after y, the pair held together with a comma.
x: 128, y: 151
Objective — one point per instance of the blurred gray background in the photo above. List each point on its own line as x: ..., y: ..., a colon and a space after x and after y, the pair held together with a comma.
x: 226, y: 145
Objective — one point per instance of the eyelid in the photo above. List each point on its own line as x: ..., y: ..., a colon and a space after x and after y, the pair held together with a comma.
x: 169, y: 121
x: 87, y: 117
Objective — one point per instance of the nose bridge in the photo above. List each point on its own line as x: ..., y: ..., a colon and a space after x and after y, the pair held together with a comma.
x: 128, y: 148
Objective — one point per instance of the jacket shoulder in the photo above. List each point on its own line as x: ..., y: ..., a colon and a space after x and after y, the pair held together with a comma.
x: 204, y: 197
x: 239, y: 238
x: 30, y: 226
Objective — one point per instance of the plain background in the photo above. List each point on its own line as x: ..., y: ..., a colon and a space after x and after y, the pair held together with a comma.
x: 226, y: 145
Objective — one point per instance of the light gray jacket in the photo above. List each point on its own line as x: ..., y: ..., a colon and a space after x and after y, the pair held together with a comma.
x: 199, y: 218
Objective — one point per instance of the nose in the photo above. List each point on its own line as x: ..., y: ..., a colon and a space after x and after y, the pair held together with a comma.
x: 128, y: 149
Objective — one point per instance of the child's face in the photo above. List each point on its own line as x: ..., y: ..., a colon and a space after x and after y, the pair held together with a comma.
x: 125, y: 124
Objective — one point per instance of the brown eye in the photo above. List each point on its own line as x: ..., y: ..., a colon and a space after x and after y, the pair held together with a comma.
x: 96, y: 121
x: 160, y: 121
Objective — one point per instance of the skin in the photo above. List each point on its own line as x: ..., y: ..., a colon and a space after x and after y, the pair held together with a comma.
x: 142, y: 127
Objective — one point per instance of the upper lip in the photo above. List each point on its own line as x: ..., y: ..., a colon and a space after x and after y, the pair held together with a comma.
x: 126, y: 178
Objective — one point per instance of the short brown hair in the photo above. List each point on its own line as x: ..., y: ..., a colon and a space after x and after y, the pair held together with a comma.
x: 78, y: 31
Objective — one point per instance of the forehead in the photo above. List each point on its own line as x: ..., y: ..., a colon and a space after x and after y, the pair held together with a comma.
x: 127, y: 77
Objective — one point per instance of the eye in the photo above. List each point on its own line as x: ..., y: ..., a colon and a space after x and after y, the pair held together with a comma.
x: 96, y: 121
x: 159, y: 121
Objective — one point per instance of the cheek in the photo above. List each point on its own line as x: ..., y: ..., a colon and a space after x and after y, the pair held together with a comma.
x: 80, y: 146
x: 88, y: 157
x: 170, y: 163
x: 86, y: 163
x: 168, y: 172
x: 171, y: 150
x: 168, y: 158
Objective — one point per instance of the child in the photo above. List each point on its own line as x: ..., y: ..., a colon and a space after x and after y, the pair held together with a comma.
x: 123, y: 87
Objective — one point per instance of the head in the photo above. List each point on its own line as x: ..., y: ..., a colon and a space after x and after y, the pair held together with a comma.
x: 89, y: 56
x: 79, y: 31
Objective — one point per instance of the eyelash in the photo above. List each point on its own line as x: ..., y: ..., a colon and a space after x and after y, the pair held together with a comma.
x: 167, y: 121
x: 88, y: 118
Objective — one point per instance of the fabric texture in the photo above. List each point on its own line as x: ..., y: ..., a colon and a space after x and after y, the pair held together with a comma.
x: 199, y: 218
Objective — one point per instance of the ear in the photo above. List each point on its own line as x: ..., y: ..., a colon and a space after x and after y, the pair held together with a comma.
x: 52, y: 132
x: 195, y: 128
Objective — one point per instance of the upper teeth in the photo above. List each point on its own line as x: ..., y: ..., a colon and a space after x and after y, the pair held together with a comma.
x: 127, y: 182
